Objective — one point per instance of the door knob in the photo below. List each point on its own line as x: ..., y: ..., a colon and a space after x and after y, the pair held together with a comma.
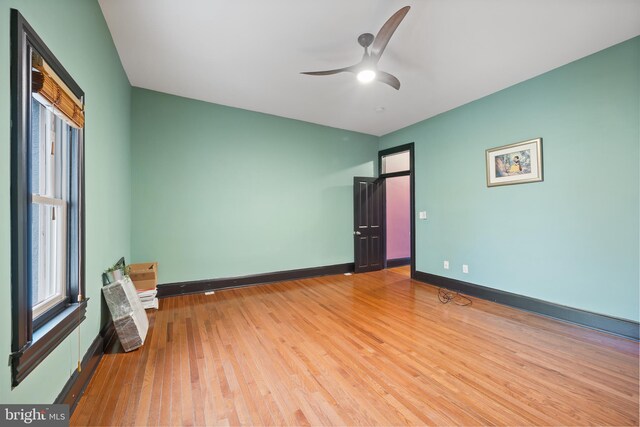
x: 356, y: 233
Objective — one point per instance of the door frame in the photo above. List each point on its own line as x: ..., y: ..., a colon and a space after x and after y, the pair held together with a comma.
x: 411, y: 173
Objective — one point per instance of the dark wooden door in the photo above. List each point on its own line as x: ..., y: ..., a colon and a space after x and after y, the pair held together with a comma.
x: 368, y: 229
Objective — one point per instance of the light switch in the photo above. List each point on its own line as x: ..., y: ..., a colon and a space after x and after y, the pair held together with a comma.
x: 422, y: 215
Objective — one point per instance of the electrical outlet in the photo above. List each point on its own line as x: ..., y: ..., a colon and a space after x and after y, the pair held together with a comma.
x: 465, y: 268
x: 445, y: 265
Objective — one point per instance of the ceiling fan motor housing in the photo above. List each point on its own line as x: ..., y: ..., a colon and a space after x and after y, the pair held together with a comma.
x: 365, y: 39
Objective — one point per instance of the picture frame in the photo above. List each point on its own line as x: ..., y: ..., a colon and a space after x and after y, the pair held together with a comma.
x: 517, y: 163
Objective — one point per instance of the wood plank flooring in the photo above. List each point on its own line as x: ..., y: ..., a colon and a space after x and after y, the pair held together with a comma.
x: 368, y: 349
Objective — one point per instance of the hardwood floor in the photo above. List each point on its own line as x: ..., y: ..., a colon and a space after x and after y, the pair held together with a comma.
x: 369, y: 349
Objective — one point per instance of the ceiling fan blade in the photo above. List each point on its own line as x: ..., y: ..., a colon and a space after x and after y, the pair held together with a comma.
x: 328, y: 72
x: 389, y: 79
x: 385, y: 33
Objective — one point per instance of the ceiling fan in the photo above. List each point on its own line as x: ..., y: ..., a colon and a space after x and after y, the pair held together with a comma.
x: 367, y: 69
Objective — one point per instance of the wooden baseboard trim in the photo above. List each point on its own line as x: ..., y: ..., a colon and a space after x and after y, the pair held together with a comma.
x: 182, y: 288
x: 108, y: 334
x: 75, y: 386
x: 613, y: 325
x: 398, y: 262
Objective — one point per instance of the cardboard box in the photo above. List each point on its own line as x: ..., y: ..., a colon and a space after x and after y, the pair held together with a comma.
x: 144, y: 275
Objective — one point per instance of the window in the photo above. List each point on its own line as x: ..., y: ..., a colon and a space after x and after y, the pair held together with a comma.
x: 396, y: 162
x: 47, y: 203
x: 52, y: 140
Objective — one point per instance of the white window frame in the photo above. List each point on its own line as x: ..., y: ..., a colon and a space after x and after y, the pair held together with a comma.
x: 52, y: 267
x: 53, y: 238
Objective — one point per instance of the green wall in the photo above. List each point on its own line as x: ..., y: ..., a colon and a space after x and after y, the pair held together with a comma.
x: 572, y: 239
x: 92, y: 60
x: 223, y: 192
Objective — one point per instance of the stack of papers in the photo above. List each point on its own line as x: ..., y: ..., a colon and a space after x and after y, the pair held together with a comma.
x: 148, y: 298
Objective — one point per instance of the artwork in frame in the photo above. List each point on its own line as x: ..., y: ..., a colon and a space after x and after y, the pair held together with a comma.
x: 515, y: 163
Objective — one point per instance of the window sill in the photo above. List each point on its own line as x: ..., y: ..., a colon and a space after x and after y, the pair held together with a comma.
x: 45, y: 340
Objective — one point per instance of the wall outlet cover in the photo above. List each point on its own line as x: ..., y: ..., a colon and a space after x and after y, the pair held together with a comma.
x: 465, y: 268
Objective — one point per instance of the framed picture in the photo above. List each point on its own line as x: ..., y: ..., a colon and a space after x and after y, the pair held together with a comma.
x: 515, y: 163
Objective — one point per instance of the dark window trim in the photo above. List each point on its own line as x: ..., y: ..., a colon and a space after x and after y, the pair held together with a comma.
x: 30, y: 347
x: 412, y: 179
x: 45, y: 340
x: 394, y: 174
x: 395, y: 150
x: 50, y: 314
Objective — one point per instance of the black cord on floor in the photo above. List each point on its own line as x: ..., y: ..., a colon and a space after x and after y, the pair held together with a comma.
x: 446, y: 296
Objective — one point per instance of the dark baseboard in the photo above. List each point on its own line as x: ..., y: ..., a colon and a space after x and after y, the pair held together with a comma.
x: 182, y: 288
x: 108, y: 334
x: 398, y: 262
x: 623, y: 327
x: 75, y: 386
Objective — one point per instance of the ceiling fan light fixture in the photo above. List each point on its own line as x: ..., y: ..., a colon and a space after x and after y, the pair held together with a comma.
x: 374, y: 46
x: 366, y: 76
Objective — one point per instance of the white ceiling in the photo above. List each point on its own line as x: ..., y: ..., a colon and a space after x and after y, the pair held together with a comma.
x: 248, y: 53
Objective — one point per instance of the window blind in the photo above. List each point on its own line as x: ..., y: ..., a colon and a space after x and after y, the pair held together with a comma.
x: 49, y: 89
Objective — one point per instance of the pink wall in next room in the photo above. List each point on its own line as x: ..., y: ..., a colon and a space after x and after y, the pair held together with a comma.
x: 398, y: 219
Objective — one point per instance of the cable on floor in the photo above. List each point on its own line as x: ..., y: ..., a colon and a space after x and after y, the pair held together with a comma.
x: 446, y: 296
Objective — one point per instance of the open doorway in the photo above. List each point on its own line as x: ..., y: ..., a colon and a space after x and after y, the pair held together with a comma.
x: 383, y: 213
x: 396, y: 171
x: 397, y: 201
